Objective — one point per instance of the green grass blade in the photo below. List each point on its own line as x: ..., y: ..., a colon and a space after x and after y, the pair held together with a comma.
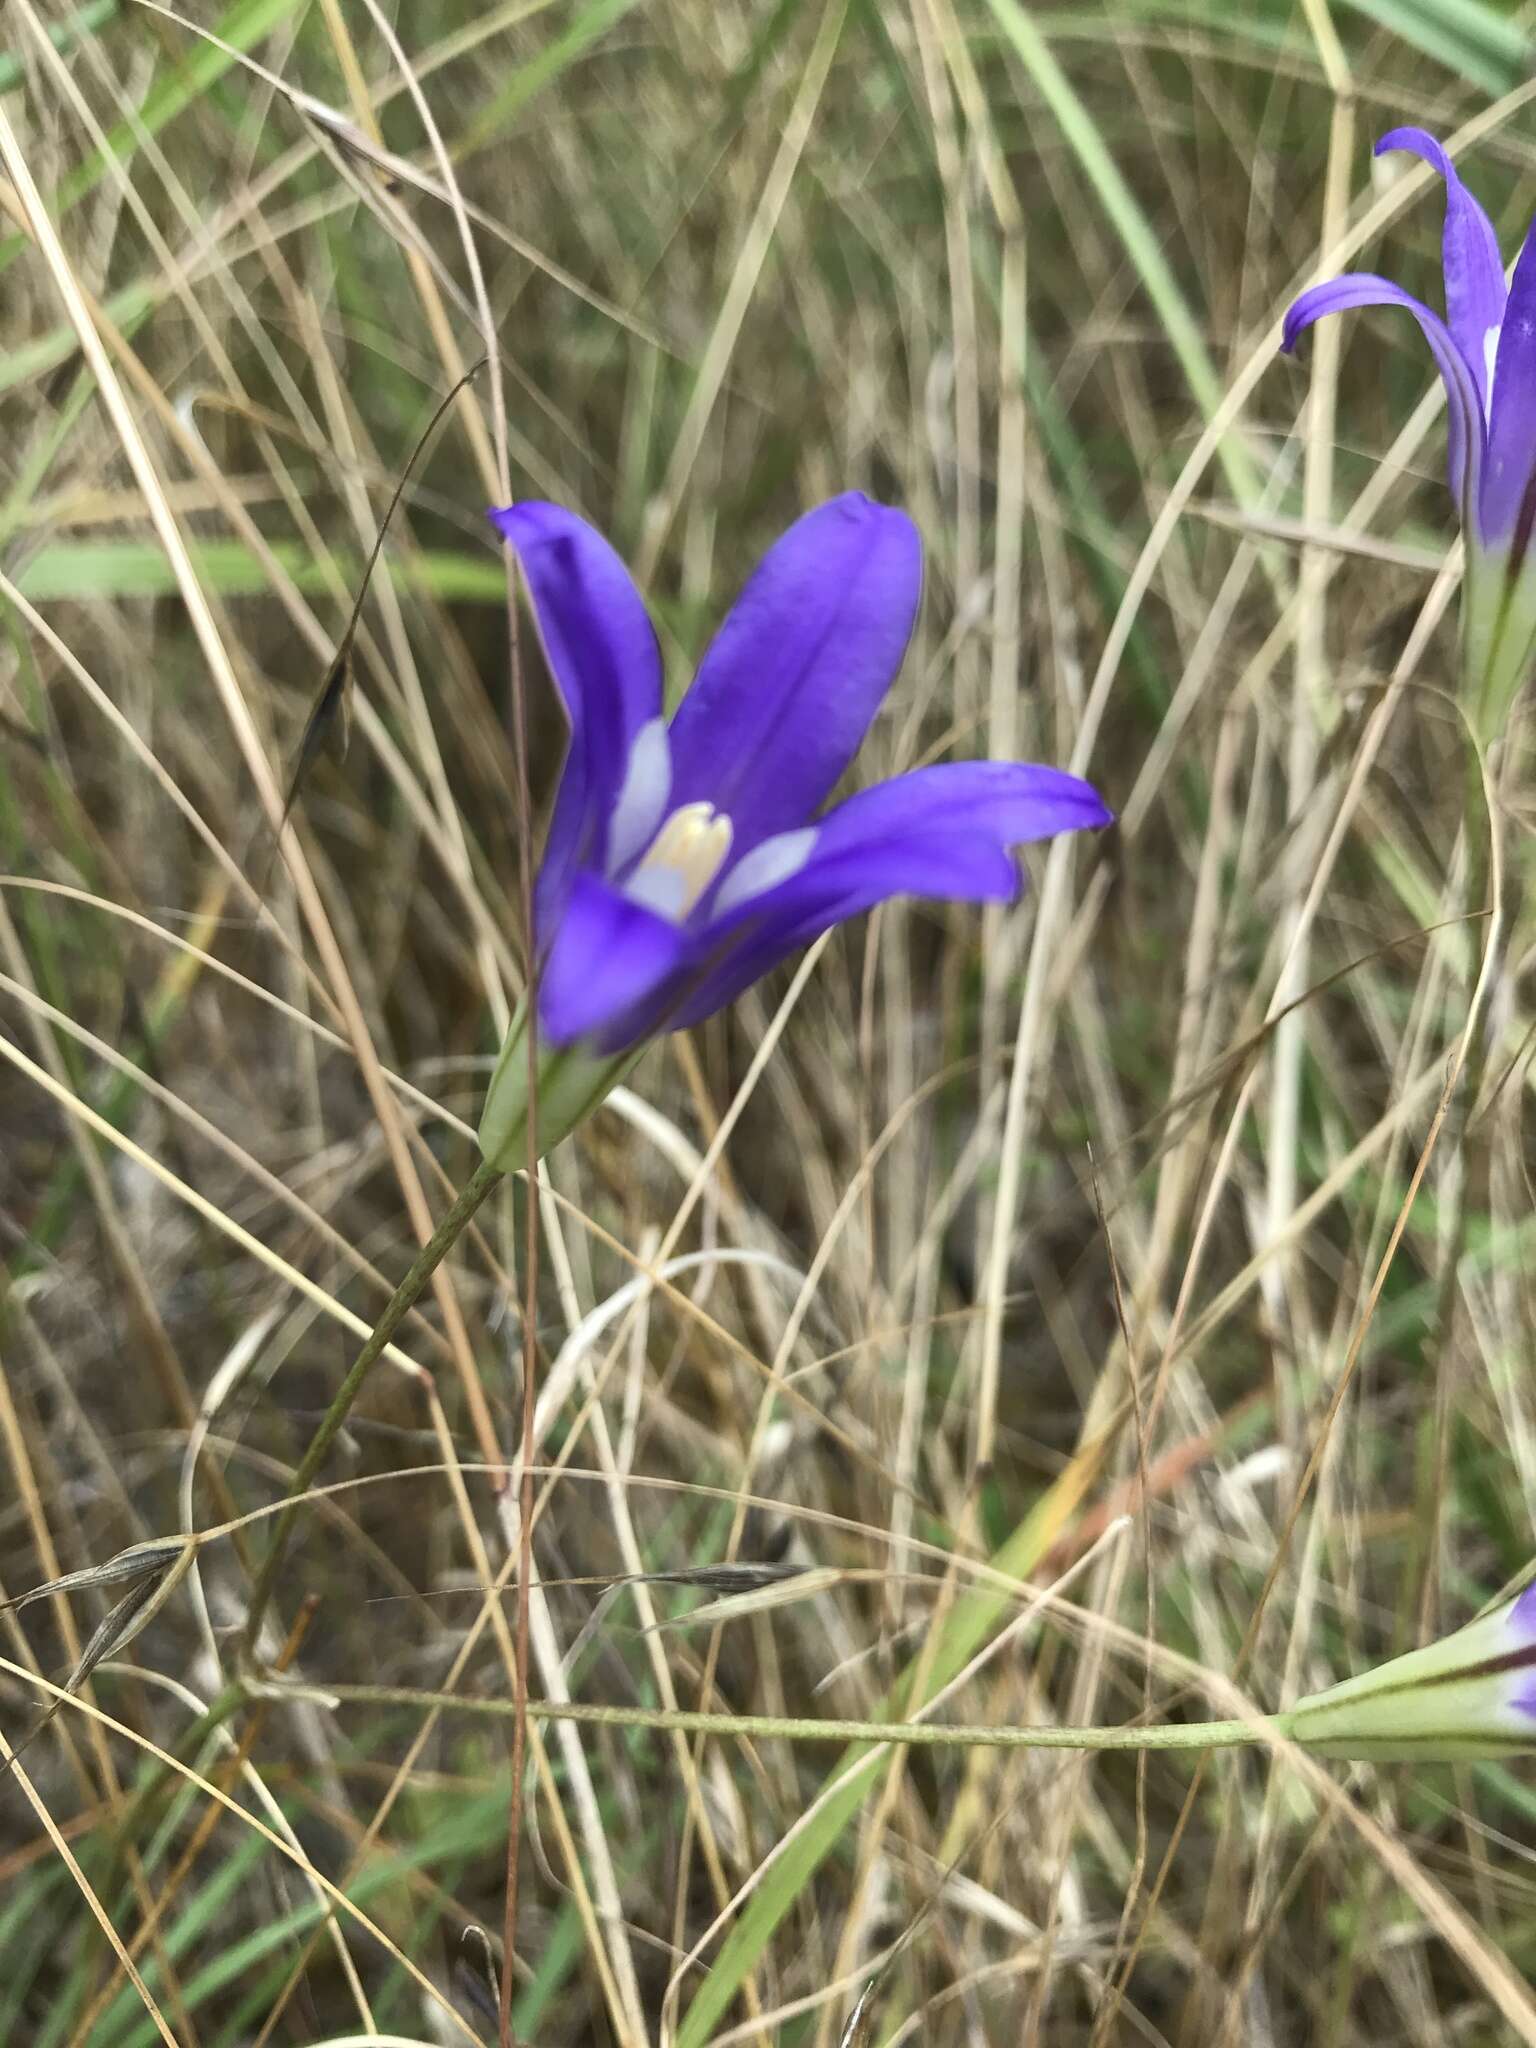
x: 1136, y: 233
x: 63, y: 35
x: 244, y: 24
x: 972, y: 1619
x: 530, y: 79
x: 89, y: 571
x: 1483, y: 47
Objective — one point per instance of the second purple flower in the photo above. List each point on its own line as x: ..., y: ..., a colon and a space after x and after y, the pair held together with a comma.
x: 1485, y: 351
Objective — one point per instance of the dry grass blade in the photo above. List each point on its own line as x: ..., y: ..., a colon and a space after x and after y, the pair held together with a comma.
x: 139, y: 1560
x: 765, y: 1595
x: 743, y: 1576
x: 477, y: 1975
x: 328, y: 722
x: 1368, y: 547
x: 859, y: 2032
x: 154, y: 1571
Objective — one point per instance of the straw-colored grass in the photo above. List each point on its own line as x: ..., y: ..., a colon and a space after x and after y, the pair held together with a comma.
x: 1118, y: 1307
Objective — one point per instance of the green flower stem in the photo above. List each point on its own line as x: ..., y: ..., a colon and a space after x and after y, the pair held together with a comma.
x: 787, y: 1728
x: 396, y: 1309
x: 1483, y: 843
x: 1497, y: 609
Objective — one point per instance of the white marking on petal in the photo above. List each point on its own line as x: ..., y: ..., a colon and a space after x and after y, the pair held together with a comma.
x: 1490, y: 356
x: 659, y: 889
x: 774, y: 861
x: 683, y: 859
x: 642, y: 800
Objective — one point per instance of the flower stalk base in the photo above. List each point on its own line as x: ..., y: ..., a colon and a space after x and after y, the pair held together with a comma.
x: 569, y: 1085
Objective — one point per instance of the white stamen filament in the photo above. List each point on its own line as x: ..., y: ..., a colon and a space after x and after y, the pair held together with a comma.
x: 682, y: 860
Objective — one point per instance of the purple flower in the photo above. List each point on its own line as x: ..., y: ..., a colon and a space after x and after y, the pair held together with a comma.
x: 1477, y: 349
x: 686, y: 858
x: 1485, y: 350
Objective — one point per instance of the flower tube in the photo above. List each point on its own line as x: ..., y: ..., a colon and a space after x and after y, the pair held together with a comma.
x: 1473, y: 1694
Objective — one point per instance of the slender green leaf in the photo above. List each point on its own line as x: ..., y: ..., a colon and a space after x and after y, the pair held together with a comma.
x: 64, y: 35
x: 91, y: 570
x: 244, y: 24
x: 530, y: 79
x: 974, y: 1617
x: 1140, y: 240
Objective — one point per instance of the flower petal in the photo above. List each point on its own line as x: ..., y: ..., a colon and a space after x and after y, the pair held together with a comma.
x: 641, y: 803
x: 608, y: 954
x: 606, y: 665
x: 944, y: 831
x: 786, y: 692
x: 1521, y: 1630
x: 1464, y: 406
x: 1512, y: 429
x: 1474, y: 271
x: 770, y: 862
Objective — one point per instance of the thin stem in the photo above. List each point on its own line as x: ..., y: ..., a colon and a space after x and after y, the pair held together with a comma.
x: 1470, y: 1157
x: 788, y: 1728
x: 530, y: 1374
x: 396, y: 1309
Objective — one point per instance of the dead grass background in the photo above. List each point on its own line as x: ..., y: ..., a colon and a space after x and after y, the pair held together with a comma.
x: 826, y: 1286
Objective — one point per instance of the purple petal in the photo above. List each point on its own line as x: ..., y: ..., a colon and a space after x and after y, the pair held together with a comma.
x: 1474, y: 271
x: 607, y: 956
x: 787, y: 691
x: 1521, y: 1623
x: 1512, y: 428
x: 943, y: 831
x: 1464, y: 408
x: 606, y: 665
x: 938, y: 831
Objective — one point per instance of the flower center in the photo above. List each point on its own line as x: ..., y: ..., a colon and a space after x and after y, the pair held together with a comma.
x: 682, y: 860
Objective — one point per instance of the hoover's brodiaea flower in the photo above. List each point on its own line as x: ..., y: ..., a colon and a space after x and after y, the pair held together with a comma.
x: 1485, y: 350
x: 686, y: 858
x: 1473, y: 1694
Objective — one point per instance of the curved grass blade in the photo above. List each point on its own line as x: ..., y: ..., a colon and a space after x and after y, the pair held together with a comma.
x: 330, y: 711
x: 155, y: 1570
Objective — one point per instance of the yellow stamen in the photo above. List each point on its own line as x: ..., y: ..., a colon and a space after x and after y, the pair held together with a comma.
x: 690, y: 848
